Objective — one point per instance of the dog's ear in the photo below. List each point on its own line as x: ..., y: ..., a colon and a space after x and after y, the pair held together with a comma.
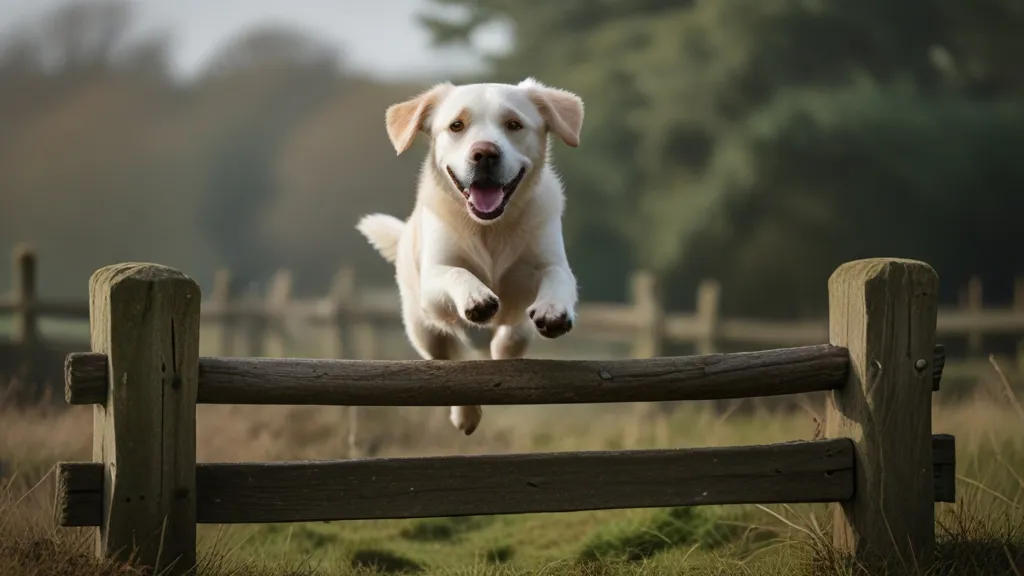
x: 406, y: 119
x: 562, y: 110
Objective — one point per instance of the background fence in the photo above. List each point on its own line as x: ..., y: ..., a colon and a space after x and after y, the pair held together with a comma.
x: 363, y: 322
x: 879, y: 462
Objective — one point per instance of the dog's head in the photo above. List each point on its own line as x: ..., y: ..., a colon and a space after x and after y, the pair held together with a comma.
x: 486, y: 139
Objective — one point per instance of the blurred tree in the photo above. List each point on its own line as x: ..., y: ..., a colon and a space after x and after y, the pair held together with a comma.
x: 678, y: 97
x: 863, y: 170
x: 756, y: 142
x: 253, y: 94
x: 84, y: 162
x: 334, y: 166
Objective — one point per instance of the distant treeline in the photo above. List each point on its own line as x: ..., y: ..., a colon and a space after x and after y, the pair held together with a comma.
x: 758, y: 143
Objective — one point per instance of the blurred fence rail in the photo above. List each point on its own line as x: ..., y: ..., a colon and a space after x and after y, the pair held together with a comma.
x: 354, y: 322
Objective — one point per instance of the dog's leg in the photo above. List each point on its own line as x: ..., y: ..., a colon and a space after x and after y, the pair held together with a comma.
x: 553, y: 311
x: 511, y: 341
x: 447, y: 288
x: 432, y: 342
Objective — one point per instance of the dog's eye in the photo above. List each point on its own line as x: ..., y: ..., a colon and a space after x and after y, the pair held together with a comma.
x: 456, y: 126
x: 513, y: 126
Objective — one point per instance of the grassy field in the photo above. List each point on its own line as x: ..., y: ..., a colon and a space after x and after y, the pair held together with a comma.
x: 982, y: 534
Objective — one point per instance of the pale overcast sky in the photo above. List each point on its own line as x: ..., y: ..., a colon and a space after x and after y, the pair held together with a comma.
x: 377, y: 35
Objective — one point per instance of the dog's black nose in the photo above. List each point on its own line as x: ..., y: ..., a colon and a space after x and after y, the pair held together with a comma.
x: 484, y: 154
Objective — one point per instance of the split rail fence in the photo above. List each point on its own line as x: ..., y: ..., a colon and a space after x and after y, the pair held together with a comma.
x: 879, y: 463
x: 256, y: 325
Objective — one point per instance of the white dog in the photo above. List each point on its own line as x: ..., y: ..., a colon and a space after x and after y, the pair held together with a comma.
x: 483, y: 246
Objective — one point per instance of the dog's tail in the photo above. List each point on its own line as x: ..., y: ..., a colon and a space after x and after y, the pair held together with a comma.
x: 383, y: 232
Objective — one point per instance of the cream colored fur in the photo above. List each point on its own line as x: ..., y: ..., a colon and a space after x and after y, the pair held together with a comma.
x: 456, y: 269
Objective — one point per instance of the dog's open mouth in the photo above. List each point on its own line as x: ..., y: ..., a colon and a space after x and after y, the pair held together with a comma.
x: 487, y: 198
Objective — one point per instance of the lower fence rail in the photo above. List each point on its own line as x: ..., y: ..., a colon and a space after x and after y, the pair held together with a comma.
x: 792, y: 472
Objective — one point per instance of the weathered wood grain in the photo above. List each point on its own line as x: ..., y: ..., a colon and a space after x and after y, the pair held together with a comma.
x: 815, y: 471
x: 493, y: 382
x: 884, y: 312
x: 145, y: 322
x: 79, y: 498
x: 79, y: 485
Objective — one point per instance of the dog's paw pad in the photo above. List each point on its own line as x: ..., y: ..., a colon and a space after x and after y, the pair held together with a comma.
x: 482, y: 309
x: 551, y: 320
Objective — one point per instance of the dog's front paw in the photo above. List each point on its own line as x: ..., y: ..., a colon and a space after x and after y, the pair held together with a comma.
x: 480, y: 307
x: 552, y: 320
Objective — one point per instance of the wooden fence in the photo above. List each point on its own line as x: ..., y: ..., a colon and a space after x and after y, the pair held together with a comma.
x: 879, y: 463
x: 27, y: 357
x: 254, y: 325
x: 358, y: 316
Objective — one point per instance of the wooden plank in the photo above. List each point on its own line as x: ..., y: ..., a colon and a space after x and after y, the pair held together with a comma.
x: 79, y: 498
x: 993, y: 320
x: 66, y: 309
x: 771, y: 332
x: 145, y: 320
x: 944, y: 467
x: 883, y: 311
x: 493, y: 382
x: 814, y: 471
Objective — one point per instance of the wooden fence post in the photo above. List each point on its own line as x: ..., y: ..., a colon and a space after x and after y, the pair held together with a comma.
x: 25, y: 326
x: 145, y: 318
x: 884, y: 312
x: 645, y: 291
x: 708, y: 297
x: 1018, y: 306
x: 254, y: 321
x: 342, y: 298
x: 974, y: 301
x: 221, y: 297
x: 278, y: 299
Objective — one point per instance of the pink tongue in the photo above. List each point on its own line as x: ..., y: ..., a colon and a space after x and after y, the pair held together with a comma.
x: 485, y: 198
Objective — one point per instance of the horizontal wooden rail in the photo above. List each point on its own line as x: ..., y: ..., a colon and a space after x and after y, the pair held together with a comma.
x: 815, y: 471
x: 1002, y: 320
x: 66, y: 309
x: 491, y: 382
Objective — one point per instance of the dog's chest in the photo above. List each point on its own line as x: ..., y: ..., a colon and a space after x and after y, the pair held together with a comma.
x: 493, y: 258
